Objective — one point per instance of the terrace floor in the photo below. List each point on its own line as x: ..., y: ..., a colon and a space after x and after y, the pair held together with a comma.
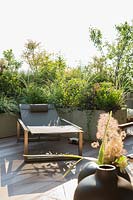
x: 42, y: 180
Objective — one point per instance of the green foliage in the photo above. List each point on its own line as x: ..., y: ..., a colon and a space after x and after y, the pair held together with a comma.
x: 33, y: 94
x: 55, y: 93
x: 100, y: 85
x: 106, y: 97
x: 121, y: 55
x: 96, y: 37
x: 3, y: 65
x: 68, y: 87
x: 73, y: 92
x: 44, y: 67
x: 118, y: 55
x: 8, y: 105
x: 12, y: 63
x: 9, y: 63
x: 10, y: 84
x: 66, y: 93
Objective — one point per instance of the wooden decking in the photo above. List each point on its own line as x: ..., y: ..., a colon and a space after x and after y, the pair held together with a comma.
x: 42, y: 180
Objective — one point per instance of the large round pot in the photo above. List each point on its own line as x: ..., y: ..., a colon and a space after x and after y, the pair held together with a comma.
x: 88, y: 169
x: 105, y: 184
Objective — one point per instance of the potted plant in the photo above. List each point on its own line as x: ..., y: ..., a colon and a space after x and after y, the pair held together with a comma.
x: 111, y: 147
x: 107, y: 176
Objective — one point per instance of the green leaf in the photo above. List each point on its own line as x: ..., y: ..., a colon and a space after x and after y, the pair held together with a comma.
x: 101, y: 154
x: 121, y: 162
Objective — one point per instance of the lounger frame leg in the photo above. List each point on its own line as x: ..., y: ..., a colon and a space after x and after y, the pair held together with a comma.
x: 25, y: 144
x: 80, y: 135
x: 18, y: 131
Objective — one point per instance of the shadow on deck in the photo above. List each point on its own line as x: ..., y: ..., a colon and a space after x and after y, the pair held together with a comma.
x: 41, y: 180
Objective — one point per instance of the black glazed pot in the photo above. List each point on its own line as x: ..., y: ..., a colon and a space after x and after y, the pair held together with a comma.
x: 105, y: 184
x: 88, y: 169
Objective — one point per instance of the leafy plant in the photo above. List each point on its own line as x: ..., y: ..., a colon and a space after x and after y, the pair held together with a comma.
x: 11, y: 84
x: 100, y: 85
x: 8, y: 105
x: 112, y: 148
x: 3, y: 65
x: 106, y: 97
x: 12, y: 63
x: 117, y: 55
x: 33, y: 94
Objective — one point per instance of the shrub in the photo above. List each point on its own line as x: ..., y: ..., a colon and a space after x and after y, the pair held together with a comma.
x: 8, y: 105
x: 33, y: 94
x: 10, y: 84
x: 67, y: 93
x: 106, y: 97
x: 55, y: 93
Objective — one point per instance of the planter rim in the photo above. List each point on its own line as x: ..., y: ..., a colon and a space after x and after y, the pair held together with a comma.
x: 106, y: 167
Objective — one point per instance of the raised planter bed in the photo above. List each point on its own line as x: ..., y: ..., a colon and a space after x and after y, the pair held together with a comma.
x: 7, y: 125
x: 87, y: 119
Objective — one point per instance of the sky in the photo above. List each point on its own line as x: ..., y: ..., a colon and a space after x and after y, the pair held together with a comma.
x: 61, y: 26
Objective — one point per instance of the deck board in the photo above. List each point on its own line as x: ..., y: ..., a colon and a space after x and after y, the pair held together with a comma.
x: 42, y: 180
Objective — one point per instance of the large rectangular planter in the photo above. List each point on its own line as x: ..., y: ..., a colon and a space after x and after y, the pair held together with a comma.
x: 129, y: 100
x: 7, y: 125
x: 88, y: 119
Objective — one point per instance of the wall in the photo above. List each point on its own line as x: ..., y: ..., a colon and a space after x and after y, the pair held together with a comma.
x: 129, y: 100
x: 87, y: 119
x: 7, y: 125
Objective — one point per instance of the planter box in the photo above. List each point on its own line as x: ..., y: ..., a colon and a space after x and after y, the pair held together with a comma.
x: 7, y: 125
x: 129, y: 100
x: 88, y: 119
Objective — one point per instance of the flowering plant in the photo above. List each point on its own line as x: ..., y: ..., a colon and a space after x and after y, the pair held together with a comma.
x: 111, y: 149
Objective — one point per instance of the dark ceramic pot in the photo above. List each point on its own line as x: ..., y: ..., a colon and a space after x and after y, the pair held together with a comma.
x: 88, y: 169
x: 105, y: 184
